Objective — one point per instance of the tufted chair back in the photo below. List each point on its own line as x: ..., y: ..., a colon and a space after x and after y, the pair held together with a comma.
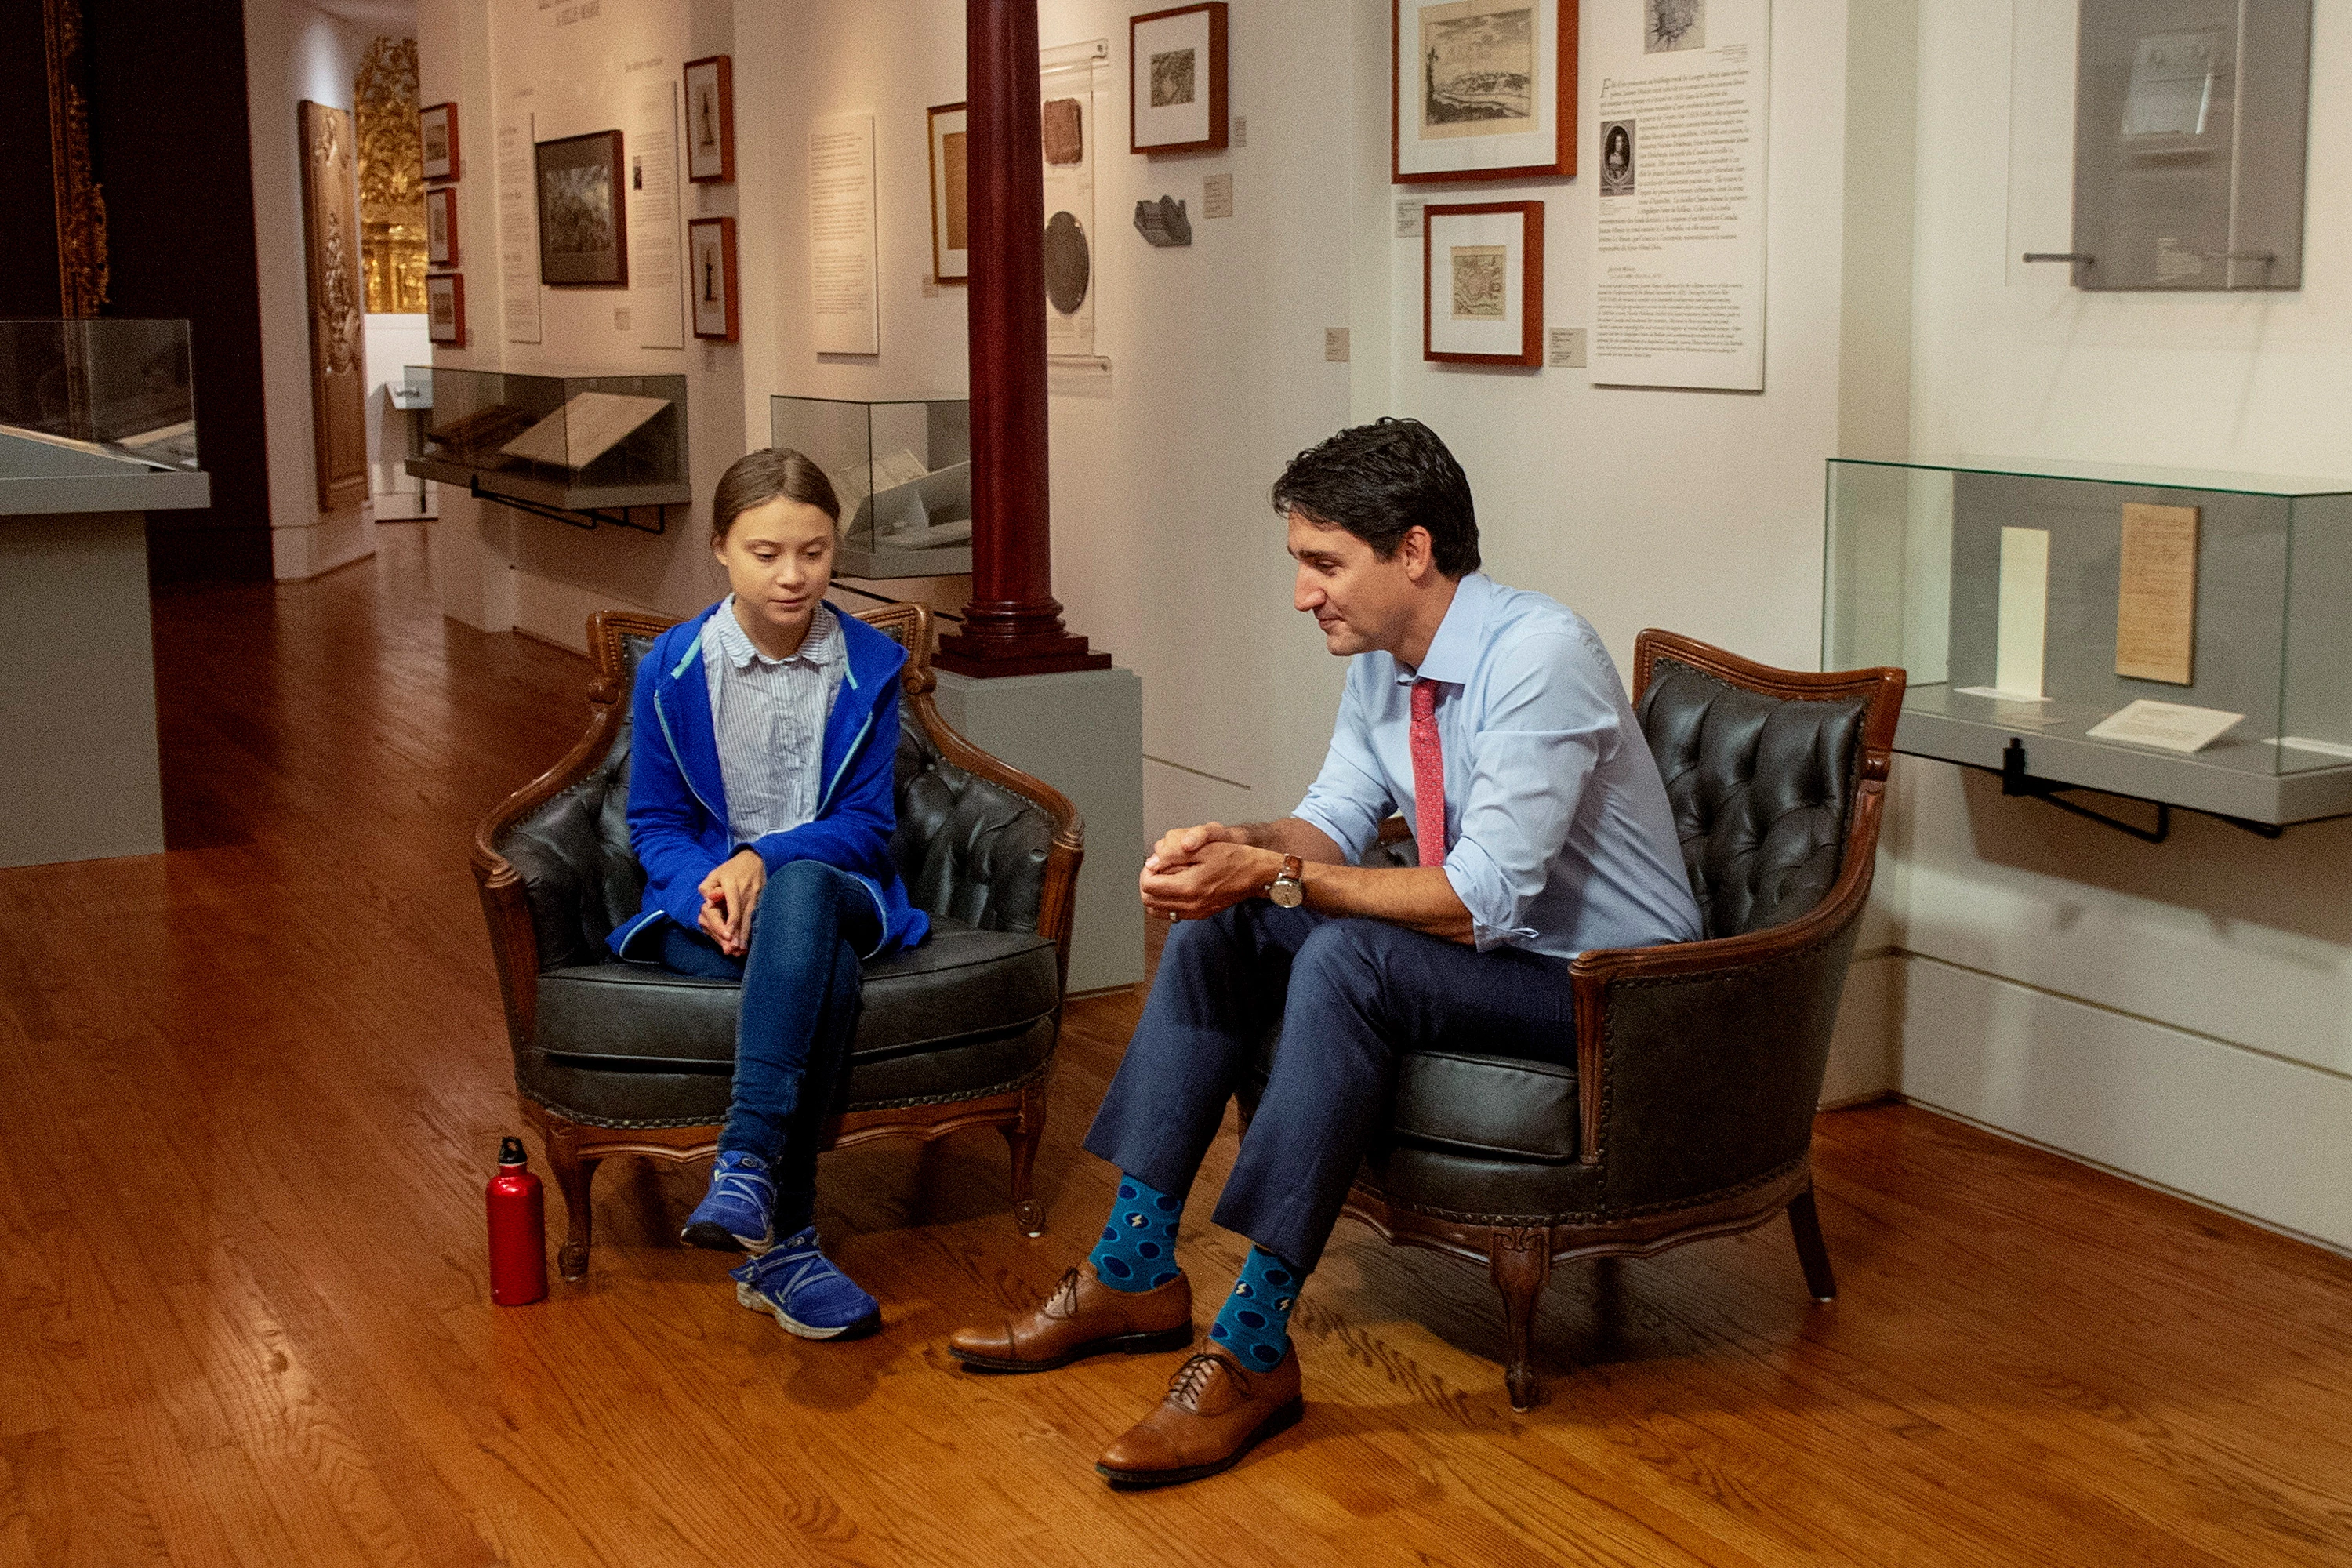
x: 1762, y: 788
x: 968, y: 848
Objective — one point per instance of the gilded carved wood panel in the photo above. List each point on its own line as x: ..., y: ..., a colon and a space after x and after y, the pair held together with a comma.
x: 330, y: 232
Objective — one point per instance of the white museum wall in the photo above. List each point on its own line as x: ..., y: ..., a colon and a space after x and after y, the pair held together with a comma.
x: 293, y: 52
x: 494, y: 567
x: 394, y: 342
x: 2183, y: 1012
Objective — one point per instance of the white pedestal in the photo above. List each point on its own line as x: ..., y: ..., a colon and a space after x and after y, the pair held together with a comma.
x: 1083, y: 733
x: 79, y: 777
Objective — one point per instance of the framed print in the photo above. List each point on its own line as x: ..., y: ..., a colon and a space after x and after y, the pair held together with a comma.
x: 711, y: 259
x: 583, y: 231
x: 445, y: 308
x: 441, y: 227
x: 951, y: 228
x: 437, y: 130
x: 1482, y: 283
x: 1176, y: 102
x: 710, y: 119
x: 1483, y: 90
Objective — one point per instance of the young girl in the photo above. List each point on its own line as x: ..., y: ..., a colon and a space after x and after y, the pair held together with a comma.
x: 760, y: 805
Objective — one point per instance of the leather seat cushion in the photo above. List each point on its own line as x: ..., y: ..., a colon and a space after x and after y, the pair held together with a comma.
x: 959, y: 985
x: 1492, y: 1107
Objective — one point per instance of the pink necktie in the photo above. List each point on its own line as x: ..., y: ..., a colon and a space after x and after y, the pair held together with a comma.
x: 1428, y: 776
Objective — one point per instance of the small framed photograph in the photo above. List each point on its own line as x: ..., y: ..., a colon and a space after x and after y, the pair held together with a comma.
x: 1483, y: 90
x: 441, y: 227
x: 1482, y: 283
x: 711, y: 258
x: 1176, y: 102
x: 439, y: 128
x: 710, y: 119
x: 445, y: 308
x: 950, y: 222
x: 583, y: 232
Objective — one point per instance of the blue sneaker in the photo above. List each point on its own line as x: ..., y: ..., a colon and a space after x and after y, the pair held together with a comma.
x: 805, y: 1292
x: 733, y: 1214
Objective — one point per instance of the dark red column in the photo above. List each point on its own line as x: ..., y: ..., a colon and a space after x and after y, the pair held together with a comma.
x: 1014, y: 625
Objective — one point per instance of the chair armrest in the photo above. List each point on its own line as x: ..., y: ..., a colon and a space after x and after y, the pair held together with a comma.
x: 507, y: 866
x: 1699, y: 1063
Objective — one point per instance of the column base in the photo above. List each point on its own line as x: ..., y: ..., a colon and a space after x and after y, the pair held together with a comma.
x: 984, y: 658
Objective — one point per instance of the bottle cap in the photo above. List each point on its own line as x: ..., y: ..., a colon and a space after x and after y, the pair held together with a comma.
x: 512, y: 1153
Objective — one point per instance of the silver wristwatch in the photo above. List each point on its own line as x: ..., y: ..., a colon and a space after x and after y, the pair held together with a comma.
x: 1287, y: 890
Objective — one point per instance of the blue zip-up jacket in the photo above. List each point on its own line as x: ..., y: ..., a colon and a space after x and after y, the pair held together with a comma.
x: 677, y: 802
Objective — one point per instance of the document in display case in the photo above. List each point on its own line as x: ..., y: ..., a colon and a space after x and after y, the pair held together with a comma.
x: 902, y: 470
x: 2178, y: 636
x: 577, y: 442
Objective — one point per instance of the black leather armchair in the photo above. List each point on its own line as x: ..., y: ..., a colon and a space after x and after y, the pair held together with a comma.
x: 1690, y: 1111
x: 621, y: 1058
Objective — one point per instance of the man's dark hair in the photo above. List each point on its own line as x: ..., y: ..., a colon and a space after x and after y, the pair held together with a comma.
x: 759, y: 477
x: 1377, y: 481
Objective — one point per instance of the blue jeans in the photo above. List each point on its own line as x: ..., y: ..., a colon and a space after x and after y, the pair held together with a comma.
x: 802, y: 989
x: 1353, y: 995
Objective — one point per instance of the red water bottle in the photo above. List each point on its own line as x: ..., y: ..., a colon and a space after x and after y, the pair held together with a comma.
x: 518, y: 1229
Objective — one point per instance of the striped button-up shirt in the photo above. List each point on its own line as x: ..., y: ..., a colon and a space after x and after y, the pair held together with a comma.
x: 769, y: 715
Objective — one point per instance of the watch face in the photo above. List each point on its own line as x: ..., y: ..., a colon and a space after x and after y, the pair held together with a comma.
x: 1286, y: 893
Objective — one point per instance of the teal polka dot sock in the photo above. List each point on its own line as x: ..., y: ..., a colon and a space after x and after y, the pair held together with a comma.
x: 1138, y: 1249
x: 1255, y: 1323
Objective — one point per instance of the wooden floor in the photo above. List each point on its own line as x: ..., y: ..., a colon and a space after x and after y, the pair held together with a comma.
x: 252, y: 1088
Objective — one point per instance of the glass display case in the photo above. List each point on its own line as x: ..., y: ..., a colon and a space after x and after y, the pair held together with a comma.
x: 112, y: 389
x: 2178, y: 636
x: 902, y: 470
x: 578, y: 442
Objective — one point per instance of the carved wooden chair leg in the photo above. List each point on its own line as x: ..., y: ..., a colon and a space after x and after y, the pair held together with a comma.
x: 573, y: 1175
x: 1024, y: 1138
x: 1805, y: 1224
x: 1520, y: 1262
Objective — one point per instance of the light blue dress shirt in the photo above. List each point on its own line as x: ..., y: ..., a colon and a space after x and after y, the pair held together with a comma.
x: 768, y: 717
x: 1560, y: 837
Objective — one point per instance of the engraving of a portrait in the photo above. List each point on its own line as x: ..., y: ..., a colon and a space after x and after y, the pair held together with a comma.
x: 1172, y: 77
x: 1670, y: 25
x: 1478, y: 70
x: 1478, y: 281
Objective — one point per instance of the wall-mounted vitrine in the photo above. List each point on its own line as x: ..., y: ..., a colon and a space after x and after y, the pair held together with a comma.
x: 581, y: 442
x: 2160, y: 144
x: 2177, y: 636
x: 902, y: 470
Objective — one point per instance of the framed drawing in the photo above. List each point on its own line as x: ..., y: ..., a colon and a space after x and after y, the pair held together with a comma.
x: 1483, y: 89
x: 583, y: 231
x: 437, y: 130
x: 1482, y: 283
x: 441, y: 227
x: 711, y: 259
x: 1176, y: 102
x: 950, y: 233
x: 710, y: 119
x: 445, y: 308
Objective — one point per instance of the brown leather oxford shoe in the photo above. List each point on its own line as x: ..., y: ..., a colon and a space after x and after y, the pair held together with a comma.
x: 1216, y: 1410
x: 1081, y: 1317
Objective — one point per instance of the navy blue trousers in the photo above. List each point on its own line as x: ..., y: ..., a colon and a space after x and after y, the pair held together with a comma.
x: 802, y: 990
x: 1353, y: 995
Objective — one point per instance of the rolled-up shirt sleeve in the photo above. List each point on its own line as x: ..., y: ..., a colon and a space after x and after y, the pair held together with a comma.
x: 1543, y: 737
x: 1350, y: 798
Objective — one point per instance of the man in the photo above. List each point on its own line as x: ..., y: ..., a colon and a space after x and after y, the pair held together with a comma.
x: 1494, y: 721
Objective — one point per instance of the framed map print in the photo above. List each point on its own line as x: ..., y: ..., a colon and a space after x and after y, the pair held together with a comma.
x: 1482, y: 283
x: 1483, y: 89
